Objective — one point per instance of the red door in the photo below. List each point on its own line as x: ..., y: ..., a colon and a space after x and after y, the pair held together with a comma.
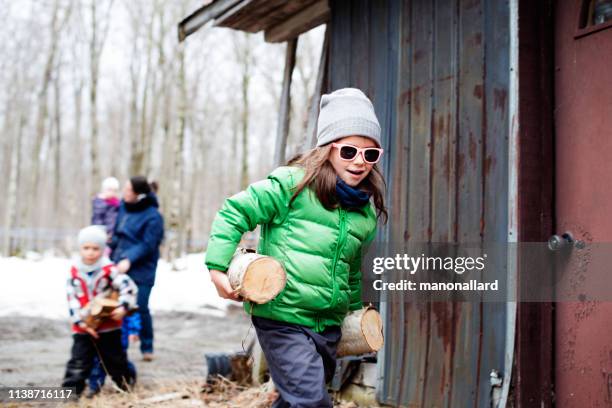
x: 583, y: 131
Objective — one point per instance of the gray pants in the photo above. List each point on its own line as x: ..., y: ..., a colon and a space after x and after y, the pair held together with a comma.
x: 301, y: 361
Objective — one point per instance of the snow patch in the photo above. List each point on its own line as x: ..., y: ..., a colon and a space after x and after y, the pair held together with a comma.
x: 37, y: 287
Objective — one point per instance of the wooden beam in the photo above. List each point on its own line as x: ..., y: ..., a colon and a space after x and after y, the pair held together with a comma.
x: 276, y: 13
x: 201, y: 16
x: 310, y: 138
x: 285, y: 105
x: 257, y: 15
x: 310, y: 17
x: 232, y: 12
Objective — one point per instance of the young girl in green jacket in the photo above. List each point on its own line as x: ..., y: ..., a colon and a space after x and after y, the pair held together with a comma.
x: 317, y: 215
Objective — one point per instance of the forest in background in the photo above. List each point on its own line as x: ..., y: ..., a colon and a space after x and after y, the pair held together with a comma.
x: 91, y: 89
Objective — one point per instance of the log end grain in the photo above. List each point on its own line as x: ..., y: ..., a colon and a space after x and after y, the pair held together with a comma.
x: 371, y: 327
x: 361, y: 333
x: 264, y: 278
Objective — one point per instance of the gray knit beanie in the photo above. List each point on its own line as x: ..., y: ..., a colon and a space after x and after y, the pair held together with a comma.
x: 346, y: 112
x: 94, y: 234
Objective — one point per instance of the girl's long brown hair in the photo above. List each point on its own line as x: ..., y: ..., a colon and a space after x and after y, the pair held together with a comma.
x: 320, y: 176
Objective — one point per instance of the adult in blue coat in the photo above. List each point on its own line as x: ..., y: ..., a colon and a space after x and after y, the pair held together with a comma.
x: 139, y: 231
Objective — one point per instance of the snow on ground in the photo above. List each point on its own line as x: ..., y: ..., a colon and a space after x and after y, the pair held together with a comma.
x: 36, y: 286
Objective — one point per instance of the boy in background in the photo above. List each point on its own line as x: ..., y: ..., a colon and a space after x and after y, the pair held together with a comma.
x: 94, y: 275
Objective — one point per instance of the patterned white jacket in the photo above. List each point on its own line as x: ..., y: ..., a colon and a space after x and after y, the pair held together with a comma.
x: 82, y: 287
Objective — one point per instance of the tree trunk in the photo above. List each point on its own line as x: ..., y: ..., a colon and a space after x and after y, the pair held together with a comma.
x: 10, y: 220
x: 176, y: 213
x: 139, y: 164
x: 245, y: 61
x: 96, y: 46
x: 77, y: 196
x: 42, y: 115
x: 93, y: 100
x: 58, y: 151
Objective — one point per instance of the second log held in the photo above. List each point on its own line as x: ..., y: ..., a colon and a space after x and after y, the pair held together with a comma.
x: 362, y: 333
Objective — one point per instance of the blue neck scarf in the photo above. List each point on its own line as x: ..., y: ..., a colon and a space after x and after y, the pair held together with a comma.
x: 351, y: 197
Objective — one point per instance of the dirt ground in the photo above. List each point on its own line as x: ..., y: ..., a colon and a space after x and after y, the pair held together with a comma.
x: 34, y: 351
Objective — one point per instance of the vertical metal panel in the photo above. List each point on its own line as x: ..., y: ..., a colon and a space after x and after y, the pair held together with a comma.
x: 383, y: 45
x: 393, y: 375
x: 466, y: 368
x: 437, y: 72
x: 443, y: 210
x: 360, y: 42
x: 340, y: 45
x: 495, y: 183
x: 416, y: 64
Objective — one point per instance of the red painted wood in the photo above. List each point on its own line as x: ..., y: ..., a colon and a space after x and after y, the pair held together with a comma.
x: 583, y: 126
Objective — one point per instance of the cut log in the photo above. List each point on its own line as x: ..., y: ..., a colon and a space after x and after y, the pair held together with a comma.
x: 361, y: 333
x: 101, y: 308
x: 258, y: 278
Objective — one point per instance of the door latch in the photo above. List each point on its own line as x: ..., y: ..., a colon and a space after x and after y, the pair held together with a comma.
x: 565, y: 241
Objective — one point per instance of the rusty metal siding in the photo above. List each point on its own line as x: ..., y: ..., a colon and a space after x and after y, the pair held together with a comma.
x: 495, y: 180
x: 438, y: 74
x: 444, y: 200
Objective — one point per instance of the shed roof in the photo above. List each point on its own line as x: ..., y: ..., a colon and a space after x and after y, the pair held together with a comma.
x: 281, y: 20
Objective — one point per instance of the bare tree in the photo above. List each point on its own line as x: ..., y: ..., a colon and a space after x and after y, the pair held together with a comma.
x: 97, y: 38
x: 42, y: 99
x: 242, y: 48
x: 173, y: 114
x: 57, y: 142
x: 77, y: 85
x: 176, y: 209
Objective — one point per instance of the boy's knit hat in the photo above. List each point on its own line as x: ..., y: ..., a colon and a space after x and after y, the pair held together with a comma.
x: 94, y: 234
x: 346, y: 112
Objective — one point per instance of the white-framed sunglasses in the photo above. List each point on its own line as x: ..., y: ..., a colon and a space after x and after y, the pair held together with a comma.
x: 371, y: 155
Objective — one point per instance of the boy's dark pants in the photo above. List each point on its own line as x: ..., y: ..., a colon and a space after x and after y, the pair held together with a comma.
x: 81, y: 360
x: 301, y: 361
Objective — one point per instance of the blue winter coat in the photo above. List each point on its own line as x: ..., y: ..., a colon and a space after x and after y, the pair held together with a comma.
x: 138, y: 233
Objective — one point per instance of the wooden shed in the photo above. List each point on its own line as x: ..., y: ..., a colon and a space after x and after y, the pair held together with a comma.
x: 496, y: 115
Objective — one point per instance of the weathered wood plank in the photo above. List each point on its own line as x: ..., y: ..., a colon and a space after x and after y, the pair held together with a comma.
x: 203, y: 15
x: 340, y: 46
x: 304, y: 20
x: 496, y: 39
x: 285, y: 105
x: 443, y: 187
x: 466, y: 373
x: 419, y: 68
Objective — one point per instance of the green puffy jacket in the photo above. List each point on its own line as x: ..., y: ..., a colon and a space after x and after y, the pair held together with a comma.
x: 320, y: 249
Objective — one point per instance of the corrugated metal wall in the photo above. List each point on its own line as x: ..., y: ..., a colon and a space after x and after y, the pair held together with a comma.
x: 438, y: 74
